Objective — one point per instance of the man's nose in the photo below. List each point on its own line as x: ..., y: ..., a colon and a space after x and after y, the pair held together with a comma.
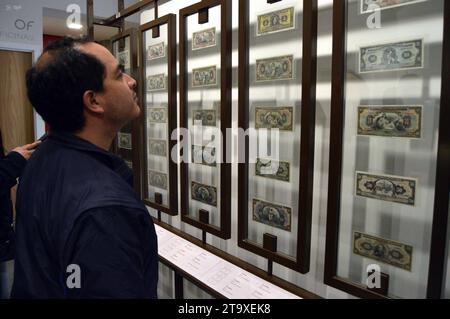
x: 131, y: 82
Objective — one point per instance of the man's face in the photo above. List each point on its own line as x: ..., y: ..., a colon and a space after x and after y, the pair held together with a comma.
x: 118, y: 98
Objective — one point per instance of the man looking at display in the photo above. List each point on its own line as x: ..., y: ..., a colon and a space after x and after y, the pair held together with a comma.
x: 81, y: 232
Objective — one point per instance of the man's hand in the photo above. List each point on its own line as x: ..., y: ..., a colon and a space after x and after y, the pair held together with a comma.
x: 27, y: 150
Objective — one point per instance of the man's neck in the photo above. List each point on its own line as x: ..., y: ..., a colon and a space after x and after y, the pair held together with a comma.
x: 97, y: 137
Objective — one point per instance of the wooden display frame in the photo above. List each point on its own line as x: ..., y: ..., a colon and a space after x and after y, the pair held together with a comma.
x: 136, y: 124
x: 309, y: 61
x: 170, y: 21
x: 442, y: 188
x: 224, y: 231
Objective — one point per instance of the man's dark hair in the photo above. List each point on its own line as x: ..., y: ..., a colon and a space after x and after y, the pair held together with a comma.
x: 56, y: 86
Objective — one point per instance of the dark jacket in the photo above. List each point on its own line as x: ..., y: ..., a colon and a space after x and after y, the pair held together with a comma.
x: 11, y: 168
x: 76, y: 206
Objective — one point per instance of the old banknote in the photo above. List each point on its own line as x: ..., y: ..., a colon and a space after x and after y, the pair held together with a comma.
x: 204, y: 39
x: 274, y: 118
x: 157, y: 115
x: 275, y: 69
x: 157, y: 147
x: 129, y: 164
x: 371, y: 5
x: 124, y: 59
x: 157, y: 179
x: 273, y: 169
x: 387, y: 188
x: 390, y: 121
x: 392, y: 56
x: 204, y: 117
x: 204, y: 77
x: 272, y: 214
x: 276, y: 21
x: 125, y: 141
x: 384, y: 250
x: 204, y: 193
x: 156, y: 51
x: 204, y: 155
x: 156, y: 82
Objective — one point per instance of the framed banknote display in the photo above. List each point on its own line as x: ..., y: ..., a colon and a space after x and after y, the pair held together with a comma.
x: 127, y: 143
x: 158, y: 58
x: 205, y: 116
x: 277, y: 83
x: 389, y: 173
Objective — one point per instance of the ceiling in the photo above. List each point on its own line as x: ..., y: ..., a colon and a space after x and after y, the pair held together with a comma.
x: 54, y: 23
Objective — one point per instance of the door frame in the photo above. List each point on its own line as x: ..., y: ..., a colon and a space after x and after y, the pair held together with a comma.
x: 36, y: 51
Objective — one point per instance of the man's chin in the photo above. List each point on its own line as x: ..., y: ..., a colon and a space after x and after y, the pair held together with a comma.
x: 138, y: 110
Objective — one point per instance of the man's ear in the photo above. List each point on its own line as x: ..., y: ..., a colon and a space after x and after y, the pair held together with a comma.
x: 92, y: 103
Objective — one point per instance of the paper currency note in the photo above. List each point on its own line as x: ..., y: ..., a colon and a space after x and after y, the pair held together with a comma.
x: 157, y: 179
x: 156, y: 51
x: 387, y: 188
x: 276, y: 21
x: 384, y: 250
x: 393, y: 56
x: 157, y: 147
x: 273, y: 169
x: 368, y: 6
x: 204, y: 155
x: 125, y: 141
x: 157, y: 115
x: 204, y: 39
x: 156, y: 82
x: 275, y: 69
x: 123, y: 58
x: 204, y: 117
x: 204, y: 193
x: 204, y: 77
x: 274, y: 117
x: 129, y: 164
x: 272, y: 215
x: 390, y: 121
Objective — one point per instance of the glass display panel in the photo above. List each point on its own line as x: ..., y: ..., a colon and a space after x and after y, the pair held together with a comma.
x: 390, y: 142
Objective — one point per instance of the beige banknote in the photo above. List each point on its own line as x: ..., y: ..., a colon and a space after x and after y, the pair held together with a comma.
x: 204, y: 77
x: 276, y: 21
x: 204, y: 39
x: 157, y: 179
x: 387, y: 188
x: 204, y: 193
x: 273, y: 169
x: 156, y: 51
x: 390, y: 121
x: 272, y: 215
x: 384, y: 250
x: 125, y: 141
x: 392, y: 56
x: 275, y: 69
x: 274, y: 118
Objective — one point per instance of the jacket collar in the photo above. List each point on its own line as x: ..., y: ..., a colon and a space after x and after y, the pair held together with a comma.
x: 114, y: 162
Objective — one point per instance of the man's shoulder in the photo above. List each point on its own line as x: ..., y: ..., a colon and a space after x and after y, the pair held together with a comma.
x: 70, y: 163
x: 76, y: 176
